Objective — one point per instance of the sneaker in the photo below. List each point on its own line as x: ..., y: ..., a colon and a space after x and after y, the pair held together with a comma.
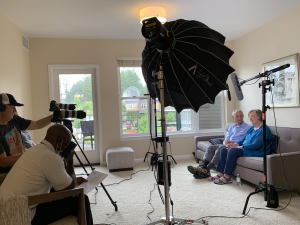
x: 203, y: 173
x: 192, y: 169
x: 204, y: 164
x: 197, y: 176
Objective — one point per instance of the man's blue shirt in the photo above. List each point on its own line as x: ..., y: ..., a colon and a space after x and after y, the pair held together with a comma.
x: 235, y: 133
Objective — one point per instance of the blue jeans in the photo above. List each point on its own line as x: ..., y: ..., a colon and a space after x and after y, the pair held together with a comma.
x: 227, y: 160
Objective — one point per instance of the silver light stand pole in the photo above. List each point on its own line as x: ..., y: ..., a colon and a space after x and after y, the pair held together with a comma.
x: 169, y: 220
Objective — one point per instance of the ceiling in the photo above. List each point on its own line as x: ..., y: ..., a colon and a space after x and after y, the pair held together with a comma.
x: 119, y: 19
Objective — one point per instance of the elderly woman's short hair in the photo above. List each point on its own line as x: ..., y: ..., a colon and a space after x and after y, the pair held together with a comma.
x: 258, y: 112
x: 234, y: 111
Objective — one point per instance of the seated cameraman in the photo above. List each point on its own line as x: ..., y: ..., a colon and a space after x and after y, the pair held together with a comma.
x: 10, y: 131
x: 42, y: 167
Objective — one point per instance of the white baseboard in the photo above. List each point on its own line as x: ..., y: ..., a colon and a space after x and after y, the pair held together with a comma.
x: 176, y: 157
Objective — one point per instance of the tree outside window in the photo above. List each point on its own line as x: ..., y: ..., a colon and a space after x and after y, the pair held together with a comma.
x: 133, y: 88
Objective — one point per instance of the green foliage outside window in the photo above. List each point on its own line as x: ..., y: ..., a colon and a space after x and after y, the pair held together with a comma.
x: 80, y: 94
x: 129, y: 78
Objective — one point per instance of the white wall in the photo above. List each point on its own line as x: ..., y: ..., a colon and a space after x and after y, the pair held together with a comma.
x: 274, y: 40
x: 14, y: 66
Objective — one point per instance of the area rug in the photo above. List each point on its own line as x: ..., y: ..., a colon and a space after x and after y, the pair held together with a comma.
x: 192, y: 198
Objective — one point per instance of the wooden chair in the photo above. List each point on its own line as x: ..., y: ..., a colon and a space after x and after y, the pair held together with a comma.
x: 21, y: 203
x: 87, y: 128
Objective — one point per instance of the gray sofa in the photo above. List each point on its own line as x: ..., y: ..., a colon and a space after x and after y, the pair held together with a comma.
x: 251, y: 168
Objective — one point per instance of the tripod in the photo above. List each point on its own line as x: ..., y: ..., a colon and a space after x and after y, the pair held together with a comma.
x: 263, y: 186
x: 68, y: 124
x: 167, y: 219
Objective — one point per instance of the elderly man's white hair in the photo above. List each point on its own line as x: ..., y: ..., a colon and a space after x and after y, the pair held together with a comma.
x: 234, y: 111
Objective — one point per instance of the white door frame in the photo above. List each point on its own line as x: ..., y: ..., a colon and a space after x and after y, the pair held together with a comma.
x: 96, y: 98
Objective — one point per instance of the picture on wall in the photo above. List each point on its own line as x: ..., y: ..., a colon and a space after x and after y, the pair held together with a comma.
x: 286, y: 82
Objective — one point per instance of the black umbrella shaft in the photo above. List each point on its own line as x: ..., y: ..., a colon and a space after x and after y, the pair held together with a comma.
x: 163, y: 134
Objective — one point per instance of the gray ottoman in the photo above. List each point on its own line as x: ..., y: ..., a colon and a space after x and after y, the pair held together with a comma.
x: 120, y: 159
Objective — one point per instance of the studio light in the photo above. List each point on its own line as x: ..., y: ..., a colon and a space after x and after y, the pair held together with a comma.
x: 156, y: 33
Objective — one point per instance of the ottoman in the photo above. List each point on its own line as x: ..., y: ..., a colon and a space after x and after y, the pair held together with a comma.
x: 120, y: 159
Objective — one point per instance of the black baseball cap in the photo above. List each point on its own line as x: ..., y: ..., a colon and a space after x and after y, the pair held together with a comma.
x: 8, y: 99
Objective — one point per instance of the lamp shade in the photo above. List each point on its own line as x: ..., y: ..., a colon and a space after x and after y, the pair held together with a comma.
x: 153, y: 11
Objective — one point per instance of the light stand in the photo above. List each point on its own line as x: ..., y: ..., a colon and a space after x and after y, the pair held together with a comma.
x: 263, y: 186
x: 157, y: 139
x: 68, y: 124
x: 169, y: 220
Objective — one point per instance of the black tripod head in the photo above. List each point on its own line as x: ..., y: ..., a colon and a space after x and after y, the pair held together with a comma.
x: 65, y: 122
x: 68, y: 124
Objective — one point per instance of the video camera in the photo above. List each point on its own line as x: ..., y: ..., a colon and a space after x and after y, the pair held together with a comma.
x: 61, y: 111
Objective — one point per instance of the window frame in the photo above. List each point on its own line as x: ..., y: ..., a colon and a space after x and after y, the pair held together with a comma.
x: 194, y: 117
x: 135, y: 136
x: 52, y: 69
x: 144, y: 104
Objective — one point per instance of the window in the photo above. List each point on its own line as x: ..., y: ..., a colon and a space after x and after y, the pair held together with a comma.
x: 133, y: 102
x: 78, y: 84
x: 175, y: 121
x: 77, y: 89
x: 135, y: 113
x: 144, y: 105
x: 210, y: 116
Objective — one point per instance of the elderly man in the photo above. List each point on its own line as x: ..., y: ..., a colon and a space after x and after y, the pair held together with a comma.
x: 11, y: 146
x: 42, y: 167
x: 211, y: 156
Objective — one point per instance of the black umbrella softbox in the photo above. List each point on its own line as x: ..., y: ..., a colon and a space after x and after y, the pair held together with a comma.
x: 195, y: 62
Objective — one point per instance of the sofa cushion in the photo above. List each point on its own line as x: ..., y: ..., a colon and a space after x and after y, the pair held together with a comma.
x: 289, y: 140
x: 254, y: 163
x: 203, y: 145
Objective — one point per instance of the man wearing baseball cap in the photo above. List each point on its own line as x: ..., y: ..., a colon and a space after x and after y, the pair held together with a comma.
x: 11, y: 146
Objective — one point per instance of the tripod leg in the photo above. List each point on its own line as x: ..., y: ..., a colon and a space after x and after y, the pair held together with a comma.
x: 247, y: 200
x: 81, y: 163
x: 112, y: 202
x: 92, y: 168
x: 172, y: 158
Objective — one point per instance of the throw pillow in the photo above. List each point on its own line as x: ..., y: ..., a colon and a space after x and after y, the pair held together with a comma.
x: 216, y: 141
x: 274, y: 143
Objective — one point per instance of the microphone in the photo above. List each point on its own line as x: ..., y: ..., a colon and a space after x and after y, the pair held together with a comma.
x: 277, y: 69
x: 54, y: 104
x: 236, y: 86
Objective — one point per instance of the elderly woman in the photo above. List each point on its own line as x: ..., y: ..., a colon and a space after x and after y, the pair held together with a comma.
x: 251, y: 145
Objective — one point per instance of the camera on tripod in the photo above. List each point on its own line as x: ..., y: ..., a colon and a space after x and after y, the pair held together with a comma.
x: 61, y: 111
